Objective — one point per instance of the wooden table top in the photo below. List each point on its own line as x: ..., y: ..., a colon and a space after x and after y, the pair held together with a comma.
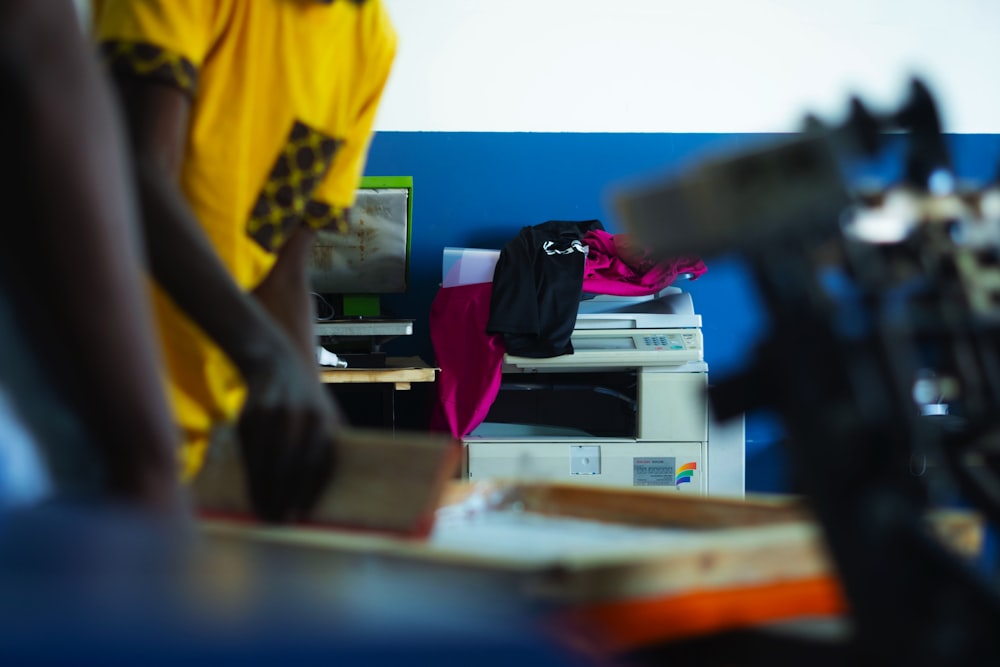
x: 400, y: 371
x: 677, y: 567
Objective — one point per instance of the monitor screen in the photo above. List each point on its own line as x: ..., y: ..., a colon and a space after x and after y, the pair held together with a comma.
x: 373, y: 256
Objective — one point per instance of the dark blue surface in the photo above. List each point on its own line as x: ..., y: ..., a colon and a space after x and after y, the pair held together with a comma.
x: 479, y: 189
x: 103, y: 584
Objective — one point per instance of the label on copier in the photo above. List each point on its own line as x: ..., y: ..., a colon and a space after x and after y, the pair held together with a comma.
x: 661, y: 471
x: 653, y: 471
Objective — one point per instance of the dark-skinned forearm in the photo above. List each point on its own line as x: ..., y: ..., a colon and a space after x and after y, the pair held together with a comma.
x: 84, y: 252
x: 286, y: 296
x: 186, y: 266
x: 181, y: 258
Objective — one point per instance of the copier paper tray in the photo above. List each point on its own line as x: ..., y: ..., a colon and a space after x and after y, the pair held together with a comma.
x: 602, y: 405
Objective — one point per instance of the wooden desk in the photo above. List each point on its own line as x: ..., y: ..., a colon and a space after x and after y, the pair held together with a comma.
x: 674, y: 567
x: 398, y: 375
x: 697, y: 566
x: 398, y: 371
x: 606, y: 589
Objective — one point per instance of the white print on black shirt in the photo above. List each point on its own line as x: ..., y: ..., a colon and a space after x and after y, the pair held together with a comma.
x: 576, y: 246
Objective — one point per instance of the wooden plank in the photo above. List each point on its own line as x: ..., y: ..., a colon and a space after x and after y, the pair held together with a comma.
x: 644, y: 508
x: 381, y: 481
x: 960, y: 530
x: 401, y: 370
x: 406, y: 362
x: 564, y: 561
x: 643, y: 567
x: 647, y: 580
x: 567, y: 560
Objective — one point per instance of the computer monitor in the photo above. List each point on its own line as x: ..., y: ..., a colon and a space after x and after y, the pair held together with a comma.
x: 373, y: 257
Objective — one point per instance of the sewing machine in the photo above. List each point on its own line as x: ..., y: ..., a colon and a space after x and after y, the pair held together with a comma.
x: 628, y: 408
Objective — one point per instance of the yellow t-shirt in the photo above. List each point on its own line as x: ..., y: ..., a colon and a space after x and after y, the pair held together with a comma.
x: 283, y: 96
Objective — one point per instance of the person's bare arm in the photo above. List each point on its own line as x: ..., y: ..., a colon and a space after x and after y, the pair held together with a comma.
x: 76, y: 252
x: 285, y: 294
x: 288, y: 422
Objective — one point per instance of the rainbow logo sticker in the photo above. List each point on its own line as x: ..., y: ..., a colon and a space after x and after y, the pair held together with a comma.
x: 685, y: 473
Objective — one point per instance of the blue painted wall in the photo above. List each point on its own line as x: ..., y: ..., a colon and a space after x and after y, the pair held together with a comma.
x: 478, y: 189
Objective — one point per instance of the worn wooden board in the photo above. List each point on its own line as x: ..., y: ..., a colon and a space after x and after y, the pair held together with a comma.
x: 578, y: 543
x: 635, y: 506
x: 613, y: 569
x: 564, y: 560
x: 401, y: 371
x: 961, y: 530
x: 382, y: 481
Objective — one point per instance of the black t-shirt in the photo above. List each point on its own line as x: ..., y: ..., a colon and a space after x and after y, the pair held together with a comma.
x: 536, y: 288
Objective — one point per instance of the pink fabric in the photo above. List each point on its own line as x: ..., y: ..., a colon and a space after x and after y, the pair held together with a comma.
x: 615, y: 266
x: 469, y: 358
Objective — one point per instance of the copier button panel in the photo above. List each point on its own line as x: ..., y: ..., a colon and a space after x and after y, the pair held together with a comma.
x: 625, y: 348
x: 668, y: 342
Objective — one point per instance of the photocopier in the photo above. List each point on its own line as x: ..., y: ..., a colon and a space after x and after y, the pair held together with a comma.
x: 628, y: 408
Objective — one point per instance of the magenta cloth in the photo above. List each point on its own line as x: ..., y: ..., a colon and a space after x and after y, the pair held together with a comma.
x: 469, y: 358
x: 615, y: 267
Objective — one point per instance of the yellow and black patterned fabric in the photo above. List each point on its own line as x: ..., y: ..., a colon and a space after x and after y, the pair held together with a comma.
x: 324, y: 216
x: 151, y: 62
x: 286, y: 199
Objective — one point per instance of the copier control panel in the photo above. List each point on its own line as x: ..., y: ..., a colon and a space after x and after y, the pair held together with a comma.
x: 625, y: 348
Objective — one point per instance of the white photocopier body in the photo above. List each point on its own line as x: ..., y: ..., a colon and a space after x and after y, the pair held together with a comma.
x: 673, y: 446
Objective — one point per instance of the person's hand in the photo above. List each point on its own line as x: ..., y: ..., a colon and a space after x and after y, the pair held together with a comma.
x: 286, y: 431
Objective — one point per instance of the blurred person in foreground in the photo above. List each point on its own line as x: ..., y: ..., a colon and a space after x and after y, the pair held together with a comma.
x: 249, y: 124
x: 80, y: 386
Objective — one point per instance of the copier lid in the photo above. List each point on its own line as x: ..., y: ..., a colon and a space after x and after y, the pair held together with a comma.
x: 671, y: 308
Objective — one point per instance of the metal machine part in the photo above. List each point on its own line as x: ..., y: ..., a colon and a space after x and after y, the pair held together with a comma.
x: 844, y: 367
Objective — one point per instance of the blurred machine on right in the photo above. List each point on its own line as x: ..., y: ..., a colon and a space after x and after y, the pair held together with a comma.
x: 882, y: 359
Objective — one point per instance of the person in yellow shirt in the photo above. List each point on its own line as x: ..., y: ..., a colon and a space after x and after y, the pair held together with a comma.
x: 250, y: 123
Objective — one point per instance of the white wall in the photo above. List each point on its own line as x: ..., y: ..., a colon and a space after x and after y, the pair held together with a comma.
x: 684, y: 65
